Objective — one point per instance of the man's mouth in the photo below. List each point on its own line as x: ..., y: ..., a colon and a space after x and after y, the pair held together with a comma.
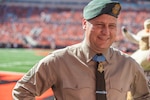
x: 103, y: 38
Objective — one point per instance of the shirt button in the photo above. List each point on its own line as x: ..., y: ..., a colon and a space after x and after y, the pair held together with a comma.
x: 76, y: 86
x: 121, y: 89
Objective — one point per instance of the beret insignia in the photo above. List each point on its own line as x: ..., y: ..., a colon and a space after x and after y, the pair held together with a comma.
x: 116, y: 9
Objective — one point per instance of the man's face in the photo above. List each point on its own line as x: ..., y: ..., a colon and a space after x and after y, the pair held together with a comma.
x: 100, y: 32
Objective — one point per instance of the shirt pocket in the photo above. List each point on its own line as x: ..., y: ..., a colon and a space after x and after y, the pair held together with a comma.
x: 118, y: 85
x: 117, y: 89
x: 82, y: 90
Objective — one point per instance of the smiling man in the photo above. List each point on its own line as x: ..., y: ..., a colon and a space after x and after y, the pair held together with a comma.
x: 90, y: 70
x: 100, y: 32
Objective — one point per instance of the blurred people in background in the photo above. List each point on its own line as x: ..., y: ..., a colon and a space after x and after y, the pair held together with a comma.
x: 16, y: 23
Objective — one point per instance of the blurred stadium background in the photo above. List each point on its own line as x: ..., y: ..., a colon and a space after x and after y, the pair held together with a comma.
x: 30, y: 29
x: 57, y: 23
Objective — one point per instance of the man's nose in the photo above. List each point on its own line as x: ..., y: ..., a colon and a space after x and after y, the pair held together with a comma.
x: 105, y: 31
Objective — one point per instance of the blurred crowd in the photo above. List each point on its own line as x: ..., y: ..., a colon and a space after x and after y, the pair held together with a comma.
x: 28, y: 27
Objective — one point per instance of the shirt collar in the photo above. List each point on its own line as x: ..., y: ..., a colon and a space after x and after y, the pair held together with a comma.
x: 89, y: 53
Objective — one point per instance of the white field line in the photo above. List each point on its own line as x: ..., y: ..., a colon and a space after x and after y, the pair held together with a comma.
x: 12, y: 73
x: 16, y: 64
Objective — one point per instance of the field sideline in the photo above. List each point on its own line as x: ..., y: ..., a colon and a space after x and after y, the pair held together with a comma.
x: 20, y: 60
x: 13, y: 64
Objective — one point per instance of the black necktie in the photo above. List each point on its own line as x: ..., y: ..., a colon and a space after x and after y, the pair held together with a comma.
x: 100, y: 80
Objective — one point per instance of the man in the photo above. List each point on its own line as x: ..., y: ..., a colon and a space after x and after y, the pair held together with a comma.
x: 70, y: 72
x: 142, y: 55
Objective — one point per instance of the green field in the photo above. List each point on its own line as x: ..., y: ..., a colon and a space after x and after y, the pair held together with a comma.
x: 20, y: 60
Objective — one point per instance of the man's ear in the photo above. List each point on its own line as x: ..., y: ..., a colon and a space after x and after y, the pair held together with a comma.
x: 84, y: 24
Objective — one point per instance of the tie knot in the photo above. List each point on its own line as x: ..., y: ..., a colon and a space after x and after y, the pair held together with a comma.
x: 99, y: 58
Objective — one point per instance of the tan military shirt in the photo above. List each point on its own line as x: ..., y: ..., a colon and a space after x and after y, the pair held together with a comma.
x: 70, y: 72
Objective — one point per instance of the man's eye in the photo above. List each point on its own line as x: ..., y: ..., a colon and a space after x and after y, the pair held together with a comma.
x: 112, y: 26
x: 99, y: 25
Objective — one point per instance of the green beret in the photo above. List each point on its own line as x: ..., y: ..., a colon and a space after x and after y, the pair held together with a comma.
x: 99, y: 7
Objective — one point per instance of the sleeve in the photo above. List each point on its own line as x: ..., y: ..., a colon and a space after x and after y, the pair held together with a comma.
x: 35, y: 82
x: 140, y: 90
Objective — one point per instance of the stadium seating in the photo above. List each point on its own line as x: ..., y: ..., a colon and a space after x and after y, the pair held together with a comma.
x: 59, y: 27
